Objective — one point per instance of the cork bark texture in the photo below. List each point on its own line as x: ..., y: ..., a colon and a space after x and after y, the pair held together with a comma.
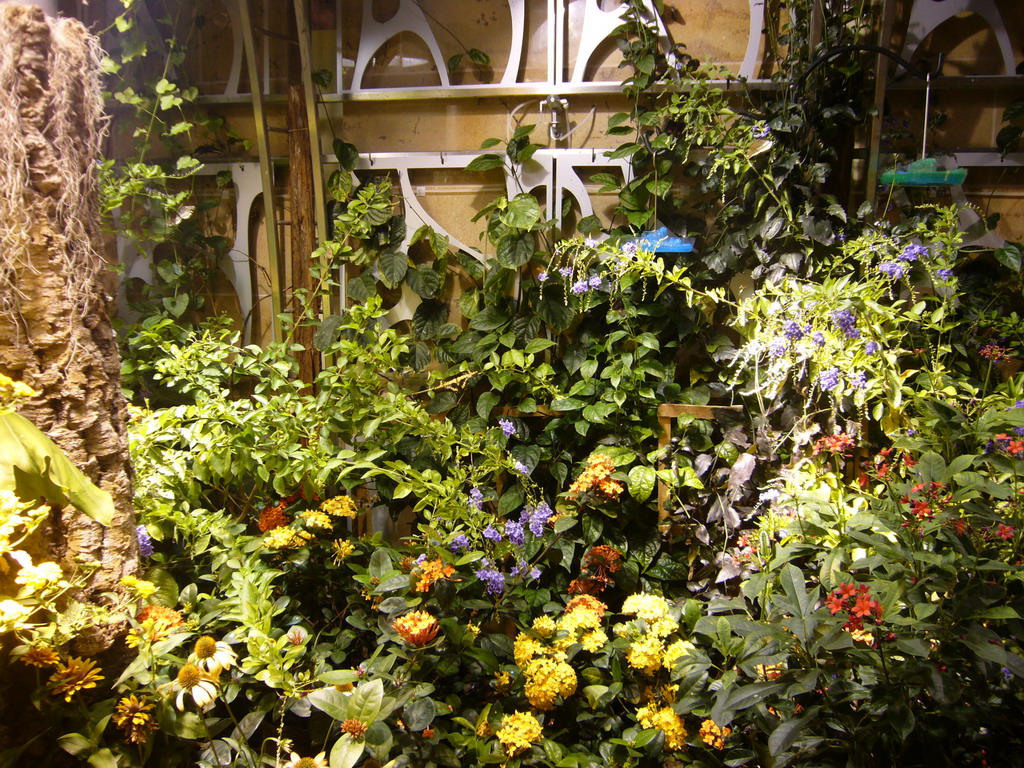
x: 55, y: 331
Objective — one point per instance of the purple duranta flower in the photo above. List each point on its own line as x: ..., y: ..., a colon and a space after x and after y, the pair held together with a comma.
x: 846, y: 321
x: 460, y: 543
x: 893, y: 269
x: 507, y: 427
x: 792, y: 330
x: 913, y: 253
x: 493, y: 578
x: 491, y: 533
x: 871, y: 347
x: 828, y: 379
x: 145, y: 542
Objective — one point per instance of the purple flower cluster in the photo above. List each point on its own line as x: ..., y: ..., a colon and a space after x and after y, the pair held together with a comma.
x: 858, y: 380
x: 514, y: 531
x: 507, y: 427
x: 630, y: 248
x: 819, y: 339
x: 1019, y: 404
x: 828, y: 379
x: 913, y: 253
x: 542, y: 277
x: 145, y: 542
x: 523, y: 568
x: 492, y: 534
x: 460, y: 543
x: 944, y: 274
x: 777, y: 348
x: 871, y: 347
x: 793, y: 331
x: 565, y: 271
x: 893, y: 269
x: 492, y: 577
x: 585, y: 284
x: 521, y: 468
x: 846, y: 321
x: 476, y: 499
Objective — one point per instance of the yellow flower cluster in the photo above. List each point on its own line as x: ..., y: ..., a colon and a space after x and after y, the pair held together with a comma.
x: 140, y: 588
x: 286, y: 538
x: 596, y: 477
x: 518, y: 732
x: 546, y: 680
x: 647, y: 651
x: 13, y: 616
x: 73, y: 676
x: 667, y: 720
x: 17, y: 520
x: 317, y: 519
x: 37, y: 578
x: 712, y: 735
x: 11, y: 391
x: 676, y: 651
x: 339, y: 506
x: 132, y: 716
x: 542, y: 655
x: 342, y: 548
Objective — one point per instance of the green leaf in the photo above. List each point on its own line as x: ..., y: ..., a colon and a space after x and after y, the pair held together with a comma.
x: 588, y: 224
x: 490, y: 319
x: 523, y: 212
x: 424, y: 281
x: 1009, y: 257
x: 481, y: 59
x: 419, y: 714
x: 74, y: 743
x: 485, y: 404
x: 380, y: 561
x: 555, y: 313
x: 347, y: 154
x: 176, y: 305
x: 326, y: 334
x: 346, y: 753
x: 485, y: 162
x: 362, y: 288
x: 33, y: 467
x: 367, y: 699
x: 788, y: 731
x: 102, y: 758
x: 515, y: 249
x: 641, y: 480
x: 393, y: 266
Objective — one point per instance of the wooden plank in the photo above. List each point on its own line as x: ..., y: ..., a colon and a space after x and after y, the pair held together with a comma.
x: 303, y: 228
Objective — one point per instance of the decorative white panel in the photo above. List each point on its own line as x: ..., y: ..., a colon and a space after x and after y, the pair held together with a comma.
x: 927, y: 15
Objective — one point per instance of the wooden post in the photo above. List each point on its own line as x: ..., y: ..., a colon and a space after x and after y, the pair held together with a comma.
x: 303, y: 229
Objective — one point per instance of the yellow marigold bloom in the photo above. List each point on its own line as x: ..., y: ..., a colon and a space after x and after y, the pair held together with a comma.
x: 416, y: 627
x: 132, y: 716
x: 667, y: 720
x: 546, y: 680
x: 38, y: 577
x: 676, y: 651
x: 317, y: 519
x: 430, y: 571
x: 74, y: 676
x: 712, y: 735
x: 139, y: 587
x: 339, y: 506
x: 41, y: 656
x: 544, y: 626
x: 201, y: 686
x: 212, y: 655
x: 650, y: 608
x: 342, y: 548
x: 525, y: 648
x: 518, y: 732
x: 286, y: 538
x: 646, y: 654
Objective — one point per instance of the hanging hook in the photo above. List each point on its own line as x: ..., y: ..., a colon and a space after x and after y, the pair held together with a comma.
x: 441, y: 155
x: 369, y: 156
x: 593, y: 155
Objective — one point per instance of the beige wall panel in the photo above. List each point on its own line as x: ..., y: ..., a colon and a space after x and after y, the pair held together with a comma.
x: 971, y: 116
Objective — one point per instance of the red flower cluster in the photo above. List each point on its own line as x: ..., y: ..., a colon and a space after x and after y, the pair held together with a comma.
x: 273, y: 516
x: 835, y: 444
x: 1012, y: 445
x: 994, y: 352
x: 857, y: 603
x: 934, y: 498
x: 883, y: 463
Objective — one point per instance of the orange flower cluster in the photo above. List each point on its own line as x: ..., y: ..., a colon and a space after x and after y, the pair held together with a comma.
x: 354, y: 728
x: 599, y: 564
x: 934, y: 498
x: 430, y: 571
x: 712, y: 735
x: 1013, y: 446
x: 837, y: 444
x: 857, y: 603
x: 596, y: 477
x: 586, y: 603
x: 155, y: 623
x: 416, y: 628
x: 273, y: 516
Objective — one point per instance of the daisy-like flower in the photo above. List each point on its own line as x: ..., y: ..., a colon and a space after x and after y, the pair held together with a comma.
x: 212, y: 655
x: 132, y: 715
x: 74, y: 676
x: 201, y: 686
x: 41, y: 656
x: 320, y: 761
x: 416, y: 628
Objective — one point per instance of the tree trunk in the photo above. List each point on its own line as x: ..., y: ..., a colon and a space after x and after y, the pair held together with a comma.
x: 55, y: 332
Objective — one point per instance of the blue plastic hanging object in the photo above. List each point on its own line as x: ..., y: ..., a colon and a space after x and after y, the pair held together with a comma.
x: 661, y: 241
x: 924, y: 173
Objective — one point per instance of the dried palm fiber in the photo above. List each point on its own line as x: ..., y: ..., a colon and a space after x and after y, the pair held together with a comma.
x: 51, y: 126
x: 55, y: 332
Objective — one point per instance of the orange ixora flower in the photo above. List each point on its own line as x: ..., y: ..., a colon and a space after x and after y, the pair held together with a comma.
x: 354, y: 728
x: 75, y: 675
x: 596, y: 478
x: 430, y: 571
x: 156, y: 622
x: 132, y: 715
x: 416, y: 628
x: 273, y: 516
x: 712, y: 735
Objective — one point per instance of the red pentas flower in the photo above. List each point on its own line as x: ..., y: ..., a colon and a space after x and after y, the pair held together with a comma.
x: 836, y: 444
x: 858, y: 603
